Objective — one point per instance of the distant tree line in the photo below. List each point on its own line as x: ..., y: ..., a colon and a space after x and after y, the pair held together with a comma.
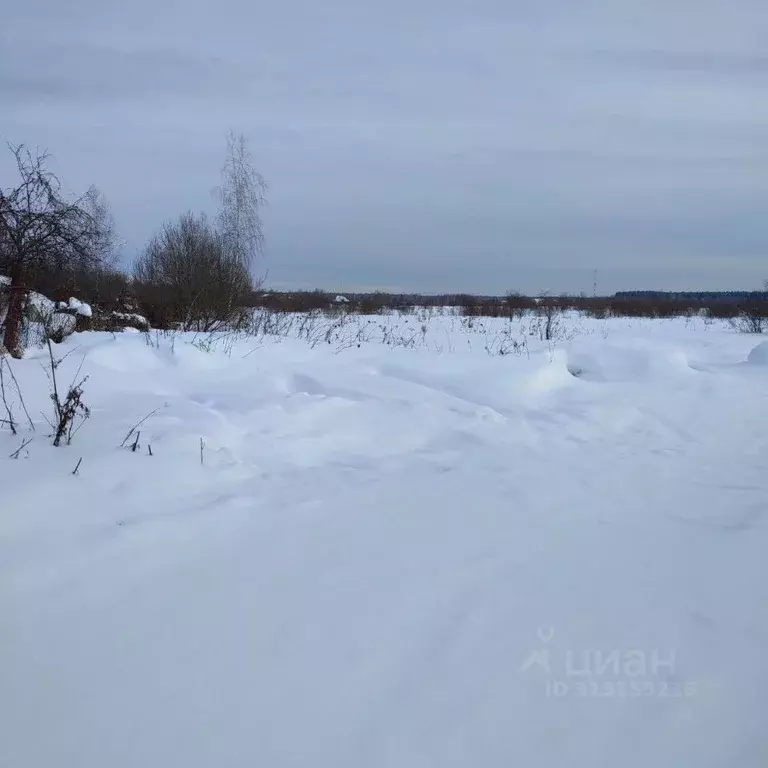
x: 705, y: 297
x: 626, y: 304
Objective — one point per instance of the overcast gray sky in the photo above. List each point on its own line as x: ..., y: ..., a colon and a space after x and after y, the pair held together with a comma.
x: 467, y: 145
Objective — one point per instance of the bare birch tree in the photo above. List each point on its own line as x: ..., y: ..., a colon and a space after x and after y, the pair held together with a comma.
x: 241, y: 197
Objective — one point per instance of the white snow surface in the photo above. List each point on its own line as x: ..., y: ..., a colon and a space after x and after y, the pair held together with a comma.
x: 392, y: 557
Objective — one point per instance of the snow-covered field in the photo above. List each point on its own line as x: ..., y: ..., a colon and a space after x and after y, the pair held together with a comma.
x: 392, y: 554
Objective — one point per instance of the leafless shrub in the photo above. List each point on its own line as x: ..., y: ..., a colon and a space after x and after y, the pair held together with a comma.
x: 549, y: 324
x: 10, y: 422
x: 511, y: 340
x: 71, y: 413
x: 5, y: 367
x: 752, y: 319
x: 186, y: 279
x: 224, y: 340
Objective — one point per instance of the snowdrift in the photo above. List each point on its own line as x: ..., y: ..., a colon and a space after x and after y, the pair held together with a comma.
x: 391, y: 557
x: 759, y: 355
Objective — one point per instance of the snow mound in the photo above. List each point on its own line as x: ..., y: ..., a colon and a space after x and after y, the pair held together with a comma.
x: 40, y: 304
x: 604, y: 361
x: 80, y: 307
x: 133, y: 319
x: 759, y: 354
x: 61, y: 325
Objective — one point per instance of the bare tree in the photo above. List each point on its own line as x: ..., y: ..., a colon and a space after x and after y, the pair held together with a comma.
x: 548, y: 311
x: 241, y: 197
x: 100, y: 253
x: 189, y: 279
x: 43, y: 228
x: 752, y: 318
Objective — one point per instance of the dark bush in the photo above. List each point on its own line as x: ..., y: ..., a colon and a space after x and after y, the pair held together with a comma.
x: 187, y: 279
